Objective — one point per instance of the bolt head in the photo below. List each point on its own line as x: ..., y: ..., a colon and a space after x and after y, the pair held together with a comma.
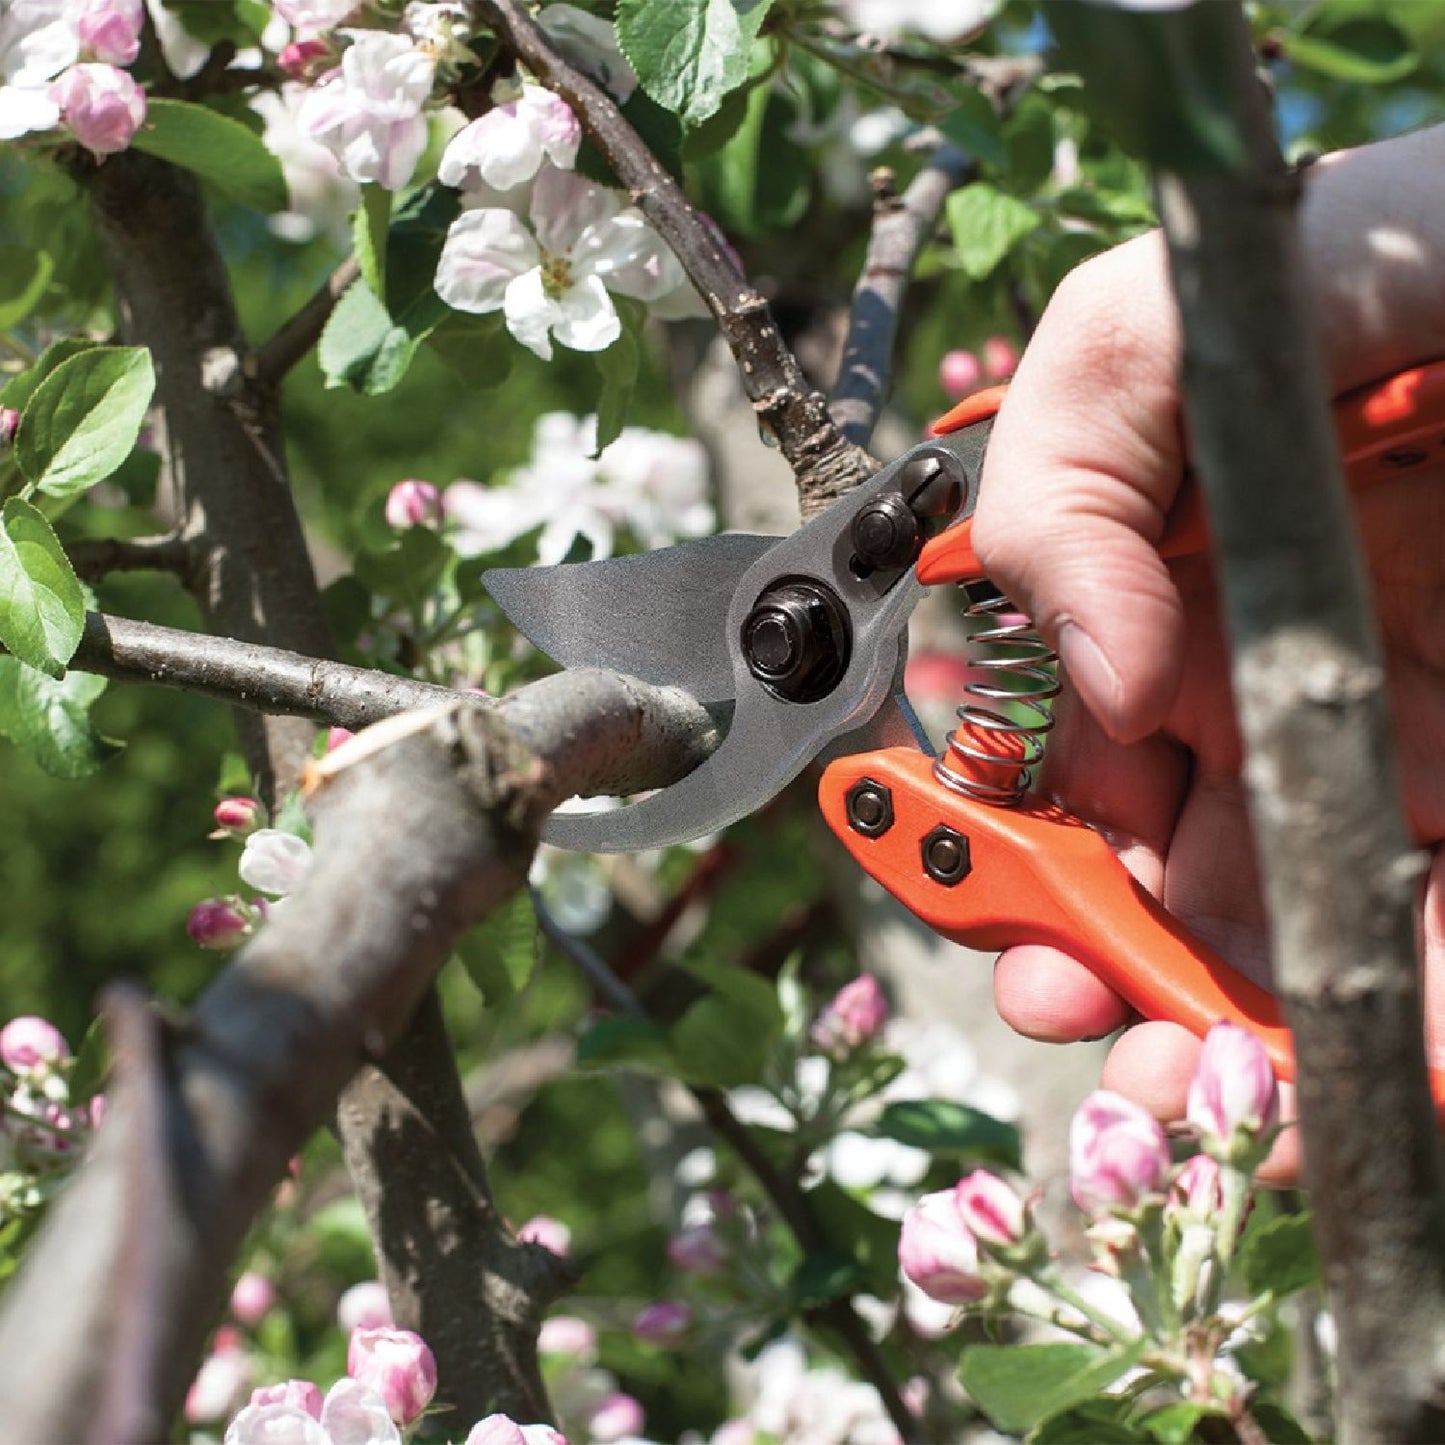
x: 870, y: 808
x: 945, y: 856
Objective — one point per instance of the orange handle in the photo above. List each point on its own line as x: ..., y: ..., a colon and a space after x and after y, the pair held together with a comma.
x: 1386, y: 429
x: 1036, y: 874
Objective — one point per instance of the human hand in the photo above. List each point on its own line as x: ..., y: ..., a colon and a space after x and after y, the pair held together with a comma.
x: 1083, y: 466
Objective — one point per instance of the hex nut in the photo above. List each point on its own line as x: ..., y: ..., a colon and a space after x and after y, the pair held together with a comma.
x: 870, y: 808
x: 945, y: 856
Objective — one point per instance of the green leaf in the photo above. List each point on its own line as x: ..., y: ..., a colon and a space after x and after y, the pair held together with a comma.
x: 19, y: 389
x: 986, y: 223
x: 92, y: 1063
x: 51, y: 719
x: 1176, y: 1424
x: 689, y: 54
x: 1095, y: 1422
x: 1029, y: 144
x: 352, y: 339
x: 853, y: 1230
x: 943, y: 1127
x: 408, y: 570
x: 1281, y: 1257
x: 1017, y: 1386
x: 369, y: 224
x: 475, y: 347
x: 24, y: 275
x: 1363, y: 51
x: 618, y: 367
x: 973, y: 126
x: 500, y: 953
x: 823, y: 1276
x: 714, y: 1044
x: 42, y: 607
x: 627, y: 1043
x: 1277, y: 1425
x: 761, y: 181
x: 83, y: 419
x: 218, y: 149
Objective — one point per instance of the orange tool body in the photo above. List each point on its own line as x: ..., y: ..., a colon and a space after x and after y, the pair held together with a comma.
x: 989, y: 869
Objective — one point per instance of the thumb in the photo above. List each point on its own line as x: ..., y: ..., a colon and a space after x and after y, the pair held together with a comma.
x: 1082, y: 468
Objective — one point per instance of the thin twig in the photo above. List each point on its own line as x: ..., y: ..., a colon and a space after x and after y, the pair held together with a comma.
x: 838, y: 1315
x: 270, y: 362
x: 902, y: 226
x: 97, y: 557
x: 824, y: 463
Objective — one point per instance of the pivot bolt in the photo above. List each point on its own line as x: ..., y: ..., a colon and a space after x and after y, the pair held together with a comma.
x: 796, y: 640
x: 945, y: 856
x: 933, y: 486
x: 870, y: 808
x: 885, y: 533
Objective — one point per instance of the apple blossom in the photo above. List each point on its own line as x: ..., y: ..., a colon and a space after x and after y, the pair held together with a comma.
x: 369, y: 111
x: 30, y: 1044
x: 304, y: 59
x: 397, y: 1365
x: 100, y: 105
x: 354, y: 1411
x: 299, y: 1394
x: 1234, y: 1096
x: 890, y: 19
x: 364, y: 1306
x: 1198, y: 1188
x: 182, y: 52
x: 507, y: 146
x: 275, y: 862
x: 959, y: 374
x: 238, y: 817
x: 567, y: 1335
x: 555, y: 279
x: 496, y: 1430
x: 1118, y: 1154
x: 615, y: 1418
x: 590, y: 43
x: 855, y: 1015
x: 938, y: 1252
x: 550, y: 1233
x: 221, y: 1384
x: 220, y: 923
x: 698, y: 1249
x: 335, y: 737
x: 9, y: 425
x: 668, y: 1322
x: 992, y: 1209
x: 309, y: 17
x: 321, y: 196
x: 110, y: 30
x: 413, y: 504
x: 38, y: 40
x: 252, y: 1298
x: 1000, y: 358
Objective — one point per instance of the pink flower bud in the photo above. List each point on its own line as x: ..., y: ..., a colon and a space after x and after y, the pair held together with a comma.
x: 221, y: 1384
x: 303, y: 60
x: 568, y: 1335
x: 96, y: 1111
x: 219, y: 923
x: 101, y: 106
x: 855, y: 1015
x: 110, y: 30
x: 699, y: 1250
x: 1118, y: 1154
x: 238, y: 817
x: 668, y: 1322
x: 1000, y: 358
x: 991, y: 1209
x: 496, y: 1430
x: 396, y: 1364
x: 959, y: 374
x: 615, y: 1418
x: 336, y: 736
x: 29, y: 1044
x: 1198, y: 1188
x: 297, y: 1394
x: 414, y: 504
x: 9, y: 425
x: 938, y: 1252
x: 252, y: 1298
x: 1233, y: 1097
x: 548, y: 1232
x: 364, y: 1307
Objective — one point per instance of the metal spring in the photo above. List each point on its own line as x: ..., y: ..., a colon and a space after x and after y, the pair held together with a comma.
x: 991, y: 756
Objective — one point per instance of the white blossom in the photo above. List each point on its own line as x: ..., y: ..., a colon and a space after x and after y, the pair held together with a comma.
x: 275, y: 862
x: 38, y: 39
x: 590, y: 43
x: 369, y: 112
x: 554, y: 279
x: 183, y: 54
x: 311, y: 17
x: 322, y: 197
x: 893, y: 18
x: 507, y: 145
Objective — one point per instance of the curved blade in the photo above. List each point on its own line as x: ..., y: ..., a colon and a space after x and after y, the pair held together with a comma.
x: 659, y: 617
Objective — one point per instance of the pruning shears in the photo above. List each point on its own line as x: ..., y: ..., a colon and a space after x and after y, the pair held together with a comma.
x: 805, y: 636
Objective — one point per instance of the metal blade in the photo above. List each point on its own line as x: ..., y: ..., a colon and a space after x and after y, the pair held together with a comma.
x: 660, y: 616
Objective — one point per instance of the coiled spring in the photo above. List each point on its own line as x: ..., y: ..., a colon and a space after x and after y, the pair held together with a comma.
x: 991, y: 755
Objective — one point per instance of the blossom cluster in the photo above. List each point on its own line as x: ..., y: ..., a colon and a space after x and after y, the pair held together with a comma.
x: 61, y: 68
x: 43, y: 1129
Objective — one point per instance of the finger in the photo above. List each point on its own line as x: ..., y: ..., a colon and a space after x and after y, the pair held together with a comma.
x: 1044, y: 994
x: 1082, y: 468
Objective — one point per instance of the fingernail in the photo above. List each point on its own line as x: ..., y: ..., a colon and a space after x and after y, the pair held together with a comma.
x: 1091, y: 673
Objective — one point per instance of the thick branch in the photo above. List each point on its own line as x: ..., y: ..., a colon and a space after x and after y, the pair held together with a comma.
x: 1339, y: 869
x: 824, y: 463
x: 274, y: 358
x: 415, y: 842
x: 902, y: 226
x: 97, y: 557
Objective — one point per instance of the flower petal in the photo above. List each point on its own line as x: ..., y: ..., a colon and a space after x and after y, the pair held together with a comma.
x: 585, y: 318
x: 564, y: 205
x: 629, y: 256
x: 484, y: 253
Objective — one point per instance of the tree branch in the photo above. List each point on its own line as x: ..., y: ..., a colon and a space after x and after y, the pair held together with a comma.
x: 1339, y: 870
x: 825, y: 464
x: 97, y: 557
x: 838, y: 1316
x: 902, y: 226
x: 415, y: 842
x: 270, y: 362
